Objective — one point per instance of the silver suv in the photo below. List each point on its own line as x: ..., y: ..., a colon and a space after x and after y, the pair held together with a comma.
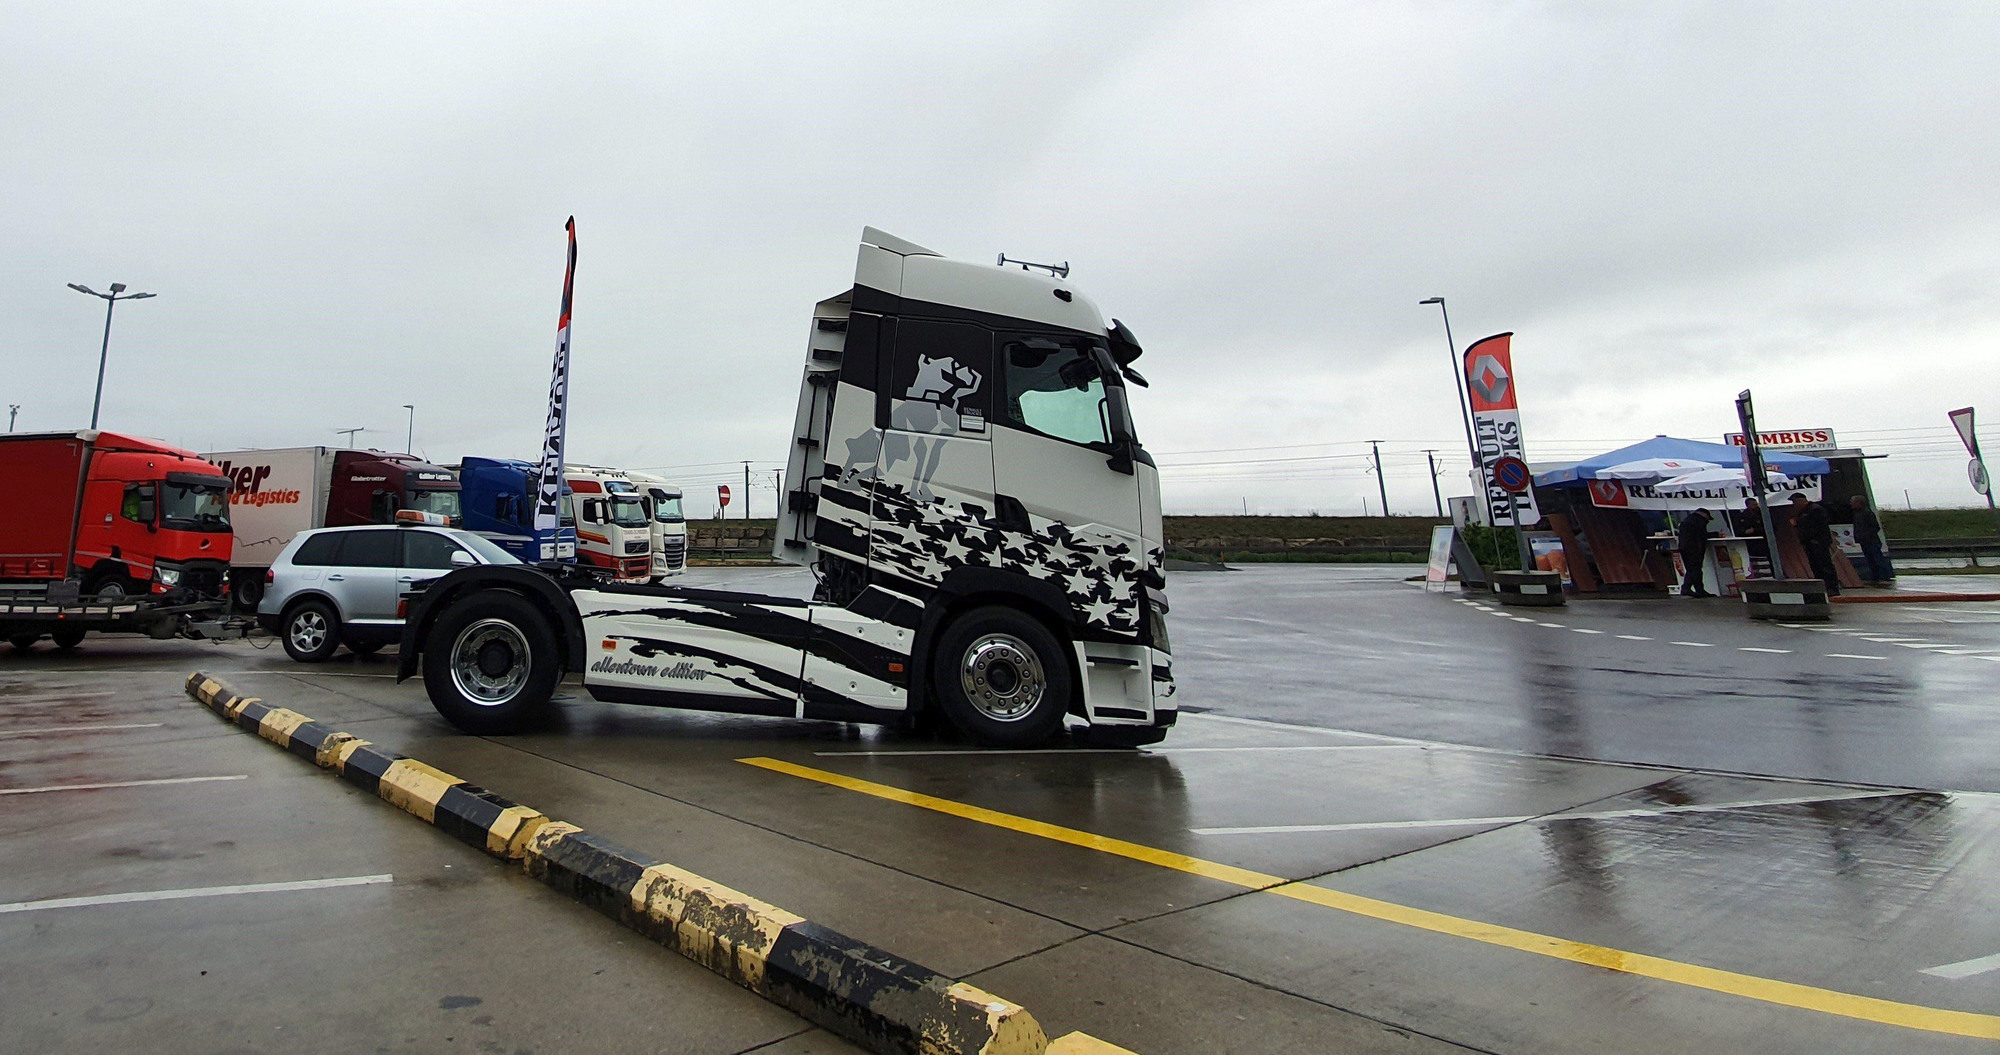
x: 345, y: 586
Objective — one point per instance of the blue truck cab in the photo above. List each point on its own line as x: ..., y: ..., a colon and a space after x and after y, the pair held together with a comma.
x: 496, y: 497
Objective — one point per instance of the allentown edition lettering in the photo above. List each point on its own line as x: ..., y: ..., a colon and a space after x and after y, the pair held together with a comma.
x: 683, y: 670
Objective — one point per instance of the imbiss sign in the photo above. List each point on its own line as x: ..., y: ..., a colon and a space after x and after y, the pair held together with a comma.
x: 1788, y: 439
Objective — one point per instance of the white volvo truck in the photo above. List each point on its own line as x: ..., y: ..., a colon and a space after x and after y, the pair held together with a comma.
x: 669, y: 525
x: 965, y: 484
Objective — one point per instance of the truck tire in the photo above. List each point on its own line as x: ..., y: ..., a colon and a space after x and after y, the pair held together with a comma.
x: 24, y: 642
x: 1002, y: 678
x: 110, y: 587
x: 310, y: 630
x: 491, y: 664
x: 67, y: 639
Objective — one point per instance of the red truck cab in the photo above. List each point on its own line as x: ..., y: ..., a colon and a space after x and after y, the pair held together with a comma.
x: 371, y: 487
x: 123, y: 515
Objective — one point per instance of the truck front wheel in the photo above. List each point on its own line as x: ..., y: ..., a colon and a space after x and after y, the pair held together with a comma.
x: 1002, y: 678
x: 491, y: 664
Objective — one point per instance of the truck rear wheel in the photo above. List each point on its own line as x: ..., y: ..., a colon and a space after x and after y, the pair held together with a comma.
x: 491, y: 664
x: 1002, y: 678
x: 311, y: 631
x: 24, y: 642
x: 67, y: 638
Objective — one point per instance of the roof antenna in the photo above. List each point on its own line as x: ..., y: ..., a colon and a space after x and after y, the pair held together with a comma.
x: 1058, y: 270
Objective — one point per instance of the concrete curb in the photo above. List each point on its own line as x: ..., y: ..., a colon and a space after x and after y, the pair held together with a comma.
x: 867, y: 995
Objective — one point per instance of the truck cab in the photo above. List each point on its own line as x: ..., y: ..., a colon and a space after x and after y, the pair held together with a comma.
x: 122, y: 515
x: 496, y: 501
x: 968, y: 486
x: 614, y: 530
x: 371, y: 487
x: 663, y: 502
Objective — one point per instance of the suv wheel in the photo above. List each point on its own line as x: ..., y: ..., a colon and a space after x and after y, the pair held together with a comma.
x: 491, y: 663
x: 311, y: 631
x: 1002, y: 678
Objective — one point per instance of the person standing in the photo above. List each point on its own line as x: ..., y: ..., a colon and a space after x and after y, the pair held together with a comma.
x: 1868, y: 535
x: 1694, y: 553
x: 1816, y: 537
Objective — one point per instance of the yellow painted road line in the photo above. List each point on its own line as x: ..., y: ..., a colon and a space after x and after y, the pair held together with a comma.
x: 1751, y: 987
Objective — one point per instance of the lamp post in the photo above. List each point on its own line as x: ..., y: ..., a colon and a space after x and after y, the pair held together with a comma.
x: 410, y: 439
x: 1464, y: 408
x: 12, y: 409
x: 111, y: 300
x: 349, y: 433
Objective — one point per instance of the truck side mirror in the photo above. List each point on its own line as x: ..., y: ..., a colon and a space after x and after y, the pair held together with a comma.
x: 149, y: 506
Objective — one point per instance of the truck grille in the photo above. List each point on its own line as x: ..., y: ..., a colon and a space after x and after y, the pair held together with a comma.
x: 641, y: 546
x: 204, y: 577
x: 673, y: 552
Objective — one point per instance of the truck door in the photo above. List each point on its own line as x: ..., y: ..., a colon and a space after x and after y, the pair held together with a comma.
x: 937, y: 454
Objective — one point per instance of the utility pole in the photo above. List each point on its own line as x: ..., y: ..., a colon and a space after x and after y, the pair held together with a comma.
x: 746, y: 490
x: 12, y: 409
x: 1381, y: 484
x: 1430, y: 455
x: 111, y: 300
x: 1464, y: 407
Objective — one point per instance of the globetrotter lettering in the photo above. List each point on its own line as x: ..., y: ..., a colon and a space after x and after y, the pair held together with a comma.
x: 683, y: 670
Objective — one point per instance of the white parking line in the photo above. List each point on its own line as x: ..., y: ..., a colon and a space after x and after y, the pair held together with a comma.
x: 188, y: 892
x: 1965, y: 968
x: 4, y: 733
x: 1558, y: 626
x: 119, y: 784
x: 1520, y: 618
x: 1585, y: 630
x: 1923, y: 644
x: 54, y: 694
x: 1692, y: 644
x: 1633, y: 637
x: 1850, y: 655
x: 1772, y: 651
x: 1124, y: 750
x: 1593, y: 815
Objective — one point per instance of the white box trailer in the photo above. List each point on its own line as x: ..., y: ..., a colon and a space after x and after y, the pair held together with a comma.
x: 274, y: 495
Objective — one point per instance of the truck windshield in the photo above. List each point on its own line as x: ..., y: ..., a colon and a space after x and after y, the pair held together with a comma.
x: 443, y: 503
x: 194, y: 507
x: 628, y: 511
x: 1059, y: 391
x: 667, y: 508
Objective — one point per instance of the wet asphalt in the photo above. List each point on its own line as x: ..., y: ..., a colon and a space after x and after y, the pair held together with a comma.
x: 1389, y: 821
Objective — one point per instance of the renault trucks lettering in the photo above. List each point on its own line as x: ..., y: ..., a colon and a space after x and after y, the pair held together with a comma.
x: 967, y: 486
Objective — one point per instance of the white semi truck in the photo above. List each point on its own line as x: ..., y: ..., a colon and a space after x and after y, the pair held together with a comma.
x: 966, y: 485
x: 614, y: 530
x: 669, y: 523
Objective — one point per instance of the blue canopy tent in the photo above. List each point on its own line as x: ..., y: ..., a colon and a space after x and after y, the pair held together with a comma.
x: 1684, y: 450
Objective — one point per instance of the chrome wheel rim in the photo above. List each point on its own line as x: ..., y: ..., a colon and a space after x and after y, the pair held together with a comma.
x: 1002, y: 677
x: 490, y: 662
x: 112, y: 591
x: 308, y: 630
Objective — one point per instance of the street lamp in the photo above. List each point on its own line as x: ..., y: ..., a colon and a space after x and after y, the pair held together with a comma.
x: 349, y: 433
x: 1464, y: 408
x: 409, y: 440
x: 111, y: 300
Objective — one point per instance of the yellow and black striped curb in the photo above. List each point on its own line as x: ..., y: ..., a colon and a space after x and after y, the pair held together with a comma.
x: 880, y: 1001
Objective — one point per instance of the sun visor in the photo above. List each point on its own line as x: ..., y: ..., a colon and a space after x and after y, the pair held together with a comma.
x: 1124, y: 347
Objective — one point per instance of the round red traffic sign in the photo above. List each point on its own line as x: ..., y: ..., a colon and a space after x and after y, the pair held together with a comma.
x: 1511, y: 474
x: 722, y: 492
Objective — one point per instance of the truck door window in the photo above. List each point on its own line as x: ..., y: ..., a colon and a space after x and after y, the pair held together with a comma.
x: 425, y: 549
x: 368, y: 549
x: 138, y: 499
x: 941, y: 377
x: 1056, y: 390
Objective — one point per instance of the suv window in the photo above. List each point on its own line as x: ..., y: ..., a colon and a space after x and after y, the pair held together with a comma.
x: 319, y: 550
x: 367, y: 549
x: 427, y: 549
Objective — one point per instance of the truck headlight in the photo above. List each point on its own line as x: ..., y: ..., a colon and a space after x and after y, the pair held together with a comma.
x: 1156, y: 627
x: 167, y: 576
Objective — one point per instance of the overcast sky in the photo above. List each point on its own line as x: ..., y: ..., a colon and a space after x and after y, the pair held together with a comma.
x: 349, y: 207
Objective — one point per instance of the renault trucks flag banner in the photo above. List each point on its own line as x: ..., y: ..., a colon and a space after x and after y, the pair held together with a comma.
x: 1489, y: 384
x: 549, y: 479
